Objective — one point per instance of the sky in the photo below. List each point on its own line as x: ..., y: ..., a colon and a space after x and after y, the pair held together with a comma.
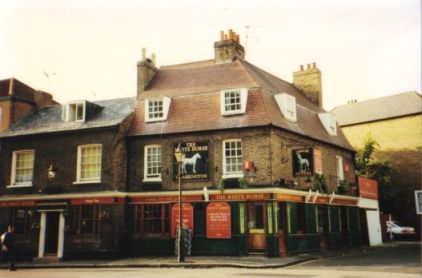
x: 89, y: 49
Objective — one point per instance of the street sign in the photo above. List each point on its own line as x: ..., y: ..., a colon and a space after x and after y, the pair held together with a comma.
x: 418, y: 200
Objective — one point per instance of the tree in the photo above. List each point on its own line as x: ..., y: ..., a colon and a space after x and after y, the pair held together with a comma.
x: 382, y: 172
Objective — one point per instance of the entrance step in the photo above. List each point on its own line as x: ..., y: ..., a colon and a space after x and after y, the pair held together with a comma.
x: 257, y: 254
x: 46, y: 259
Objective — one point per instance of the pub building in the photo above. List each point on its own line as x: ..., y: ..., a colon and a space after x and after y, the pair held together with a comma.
x: 62, y: 173
x: 266, y: 169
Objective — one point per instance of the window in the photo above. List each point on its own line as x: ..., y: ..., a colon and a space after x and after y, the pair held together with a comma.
x: 22, y: 220
x: 329, y: 122
x: 157, y: 109
x: 152, y: 166
x: 74, y: 112
x: 233, y: 101
x: 84, y: 220
x: 22, y: 168
x: 287, y: 105
x: 89, y: 163
x: 232, y: 159
x: 256, y: 216
x: 153, y: 219
x: 339, y: 169
x: 321, y: 218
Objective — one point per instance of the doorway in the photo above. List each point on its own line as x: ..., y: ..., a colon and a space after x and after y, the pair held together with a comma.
x: 256, y: 226
x: 52, y: 233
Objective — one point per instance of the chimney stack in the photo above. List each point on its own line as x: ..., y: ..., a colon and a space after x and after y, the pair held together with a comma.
x: 309, y: 81
x: 228, y: 48
x: 146, y: 71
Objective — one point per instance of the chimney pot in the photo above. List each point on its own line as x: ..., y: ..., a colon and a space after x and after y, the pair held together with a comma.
x: 301, y: 67
x: 153, y: 58
x: 309, y: 66
x: 222, y: 35
x: 314, y: 65
x: 144, y: 53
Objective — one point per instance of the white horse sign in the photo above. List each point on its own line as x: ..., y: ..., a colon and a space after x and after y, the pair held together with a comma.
x: 195, y: 166
x: 302, y: 162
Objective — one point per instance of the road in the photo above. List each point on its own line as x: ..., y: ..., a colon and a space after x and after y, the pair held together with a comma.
x: 399, y: 260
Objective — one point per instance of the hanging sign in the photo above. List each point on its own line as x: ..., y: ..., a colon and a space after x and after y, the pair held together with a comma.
x: 187, y: 216
x: 219, y: 224
x: 195, y: 166
x: 302, y: 162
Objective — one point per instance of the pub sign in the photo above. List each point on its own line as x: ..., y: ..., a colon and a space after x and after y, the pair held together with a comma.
x: 302, y: 162
x: 196, y: 163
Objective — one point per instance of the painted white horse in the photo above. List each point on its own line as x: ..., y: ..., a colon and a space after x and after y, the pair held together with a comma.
x: 303, y: 163
x: 190, y: 161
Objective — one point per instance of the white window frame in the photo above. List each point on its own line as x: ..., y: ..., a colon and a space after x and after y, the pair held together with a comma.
x: 236, y: 174
x: 166, y: 101
x: 287, y: 105
x: 339, y: 169
x: 329, y: 122
x: 13, y: 182
x: 70, y: 111
x: 243, y: 94
x: 150, y: 177
x: 79, y: 179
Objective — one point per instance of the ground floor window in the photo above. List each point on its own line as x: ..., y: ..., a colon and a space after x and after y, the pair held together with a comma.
x: 152, y: 220
x: 22, y: 219
x: 84, y: 220
x: 321, y: 219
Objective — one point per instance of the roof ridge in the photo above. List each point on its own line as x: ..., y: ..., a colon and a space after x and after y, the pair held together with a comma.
x: 186, y: 64
x: 376, y: 99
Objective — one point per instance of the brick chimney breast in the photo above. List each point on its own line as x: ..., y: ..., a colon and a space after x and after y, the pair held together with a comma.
x: 309, y: 81
x: 228, y: 48
x: 146, y: 71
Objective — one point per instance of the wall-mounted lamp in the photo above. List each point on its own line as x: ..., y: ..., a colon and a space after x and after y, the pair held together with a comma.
x: 308, y: 181
x: 52, y: 171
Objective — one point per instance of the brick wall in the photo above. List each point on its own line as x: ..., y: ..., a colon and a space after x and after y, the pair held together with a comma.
x: 60, y: 150
x: 263, y: 146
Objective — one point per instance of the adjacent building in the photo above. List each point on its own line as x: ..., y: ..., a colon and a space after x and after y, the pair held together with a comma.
x: 395, y: 122
x: 63, y: 177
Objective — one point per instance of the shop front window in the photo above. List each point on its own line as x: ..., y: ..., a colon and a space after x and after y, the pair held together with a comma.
x: 153, y: 220
x: 22, y: 220
x: 85, y: 220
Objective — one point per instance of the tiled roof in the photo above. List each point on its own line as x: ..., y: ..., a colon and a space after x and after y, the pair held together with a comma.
x: 195, y: 106
x: 49, y: 119
x: 398, y: 105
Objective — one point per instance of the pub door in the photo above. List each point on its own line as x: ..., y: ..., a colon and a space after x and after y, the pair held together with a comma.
x: 256, y: 226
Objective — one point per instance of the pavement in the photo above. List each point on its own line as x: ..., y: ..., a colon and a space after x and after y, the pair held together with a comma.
x: 251, y: 262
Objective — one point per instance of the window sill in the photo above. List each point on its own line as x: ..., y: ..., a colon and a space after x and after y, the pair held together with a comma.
x: 232, y: 113
x: 19, y: 185
x: 155, y: 120
x: 232, y: 176
x: 152, y: 180
x: 87, y: 182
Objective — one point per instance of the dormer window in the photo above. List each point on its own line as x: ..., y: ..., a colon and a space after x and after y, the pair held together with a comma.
x: 74, y: 112
x: 233, y: 101
x: 287, y: 105
x: 329, y: 122
x: 157, y: 109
